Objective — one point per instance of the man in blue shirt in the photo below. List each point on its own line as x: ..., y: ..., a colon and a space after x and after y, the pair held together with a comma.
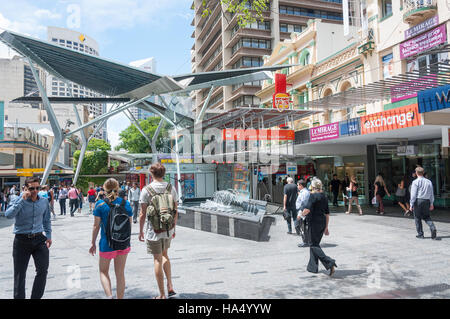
x: 32, y: 215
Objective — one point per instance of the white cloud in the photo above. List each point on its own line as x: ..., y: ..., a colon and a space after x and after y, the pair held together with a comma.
x: 116, y: 124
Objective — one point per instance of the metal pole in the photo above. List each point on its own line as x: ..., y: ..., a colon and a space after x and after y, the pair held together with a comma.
x: 138, y: 126
x: 155, y: 137
x: 59, y: 136
x: 205, y: 106
x: 180, y: 201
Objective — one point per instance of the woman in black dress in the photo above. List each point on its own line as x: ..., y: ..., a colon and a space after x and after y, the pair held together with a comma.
x: 317, y: 207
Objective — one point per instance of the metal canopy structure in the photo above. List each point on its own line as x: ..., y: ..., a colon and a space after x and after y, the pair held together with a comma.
x: 433, y: 76
x: 71, y: 100
x: 116, y: 80
x: 250, y: 117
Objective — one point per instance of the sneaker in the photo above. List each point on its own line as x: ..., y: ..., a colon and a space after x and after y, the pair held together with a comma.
x: 433, y: 234
x: 420, y: 236
x: 172, y: 294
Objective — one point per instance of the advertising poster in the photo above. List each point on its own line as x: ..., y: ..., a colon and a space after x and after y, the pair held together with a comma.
x: 388, y: 66
x: 189, y: 186
x: 324, y: 132
x: 423, y: 42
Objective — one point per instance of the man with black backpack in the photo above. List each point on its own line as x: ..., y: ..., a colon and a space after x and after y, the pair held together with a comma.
x: 159, y: 207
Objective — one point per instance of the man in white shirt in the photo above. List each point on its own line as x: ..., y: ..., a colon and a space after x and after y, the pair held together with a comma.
x: 422, y: 200
x: 133, y: 196
x: 300, y: 204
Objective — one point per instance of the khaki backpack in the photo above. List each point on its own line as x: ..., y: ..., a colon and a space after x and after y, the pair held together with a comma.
x: 161, y: 211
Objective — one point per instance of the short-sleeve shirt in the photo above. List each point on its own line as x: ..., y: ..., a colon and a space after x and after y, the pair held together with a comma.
x: 318, y: 206
x: 73, y: 194
x: 335, y: 184
x: 145, y: 198
x: 91, y: 192
x: 102, y: 210
x: 291, y: 191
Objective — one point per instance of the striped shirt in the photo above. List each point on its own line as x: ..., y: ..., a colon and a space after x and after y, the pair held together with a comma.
x: 421, y: 188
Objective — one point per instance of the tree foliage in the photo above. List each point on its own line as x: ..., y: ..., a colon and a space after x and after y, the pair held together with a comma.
x: 96, y: 144
x: 248, y: 10
x: 133, y: 141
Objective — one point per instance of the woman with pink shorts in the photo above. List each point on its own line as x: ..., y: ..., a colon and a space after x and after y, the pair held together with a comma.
x: 101, y: 213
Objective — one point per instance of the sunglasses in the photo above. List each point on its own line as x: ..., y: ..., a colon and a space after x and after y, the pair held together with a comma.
x: 34, y: 188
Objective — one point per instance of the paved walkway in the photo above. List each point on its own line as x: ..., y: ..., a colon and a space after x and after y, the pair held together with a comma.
x: 377, y: 257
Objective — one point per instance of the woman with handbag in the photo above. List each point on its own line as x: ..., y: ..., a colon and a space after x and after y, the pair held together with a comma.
x: 353, y: 196
x: 318, y: 209
x: 380, y: 192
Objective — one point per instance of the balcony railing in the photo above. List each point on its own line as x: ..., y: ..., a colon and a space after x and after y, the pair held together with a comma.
x: 417, y: 11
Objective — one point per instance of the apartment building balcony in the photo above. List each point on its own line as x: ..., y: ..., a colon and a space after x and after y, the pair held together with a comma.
x: 234, y: 19
x: 417, y: 11
x: 244, y: 90
x: 334, y: 5
x: 245, y: 51
x: 249, y: 33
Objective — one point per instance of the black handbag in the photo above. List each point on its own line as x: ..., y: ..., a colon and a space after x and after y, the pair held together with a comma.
x: 286, y: 215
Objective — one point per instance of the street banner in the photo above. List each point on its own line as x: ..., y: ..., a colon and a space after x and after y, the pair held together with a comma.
x: 402, y: 117
x: 324, y: 132
x: 423, y: 42
x: 257, y: 135
x: 422, y: 27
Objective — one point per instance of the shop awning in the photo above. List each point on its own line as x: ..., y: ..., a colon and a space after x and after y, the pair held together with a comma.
x: 400, y: 86
x: 252, y: 117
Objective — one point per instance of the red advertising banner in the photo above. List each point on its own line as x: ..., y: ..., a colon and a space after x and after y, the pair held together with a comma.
x: 407, y: 116
x: 258, y: 135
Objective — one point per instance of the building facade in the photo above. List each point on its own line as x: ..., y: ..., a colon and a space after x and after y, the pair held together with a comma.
x: 392, y: 38
x: 221, y: 44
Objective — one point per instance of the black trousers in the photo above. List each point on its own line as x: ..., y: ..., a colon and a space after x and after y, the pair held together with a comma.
x: 292, y: 211
x: 23, y: 249
x: 315, y: 252
x: 73, y: 204
x: 62, y: 204
x: 335, y: 197
x: 422, y: 211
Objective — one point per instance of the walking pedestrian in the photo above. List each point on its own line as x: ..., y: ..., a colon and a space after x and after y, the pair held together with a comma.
x: 317, y: 206
x: 345, y: 186
x: 91, y: 198
x: 133, y: 196
x: 158, y: 240
x: 335, y: 186
x: 32, y: 218
x: 107, y: 253
x: 73, y: 200
x: 302, y: 226
x: 62, y: 197
x: 353, y: 196
x: 290, y: 198
x: 422, y: 203
x: 402, y: 198
x: 100, y: 194
x: 380, y: 191
x: 80, y: 199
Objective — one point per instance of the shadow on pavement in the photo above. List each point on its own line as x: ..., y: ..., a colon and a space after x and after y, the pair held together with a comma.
x: 202, y: 295
x: 342, y: 274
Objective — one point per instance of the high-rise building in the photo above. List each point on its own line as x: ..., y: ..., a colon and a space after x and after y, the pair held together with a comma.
x: 148, y: 65
x: 57, y: 88
x: 221, y: 44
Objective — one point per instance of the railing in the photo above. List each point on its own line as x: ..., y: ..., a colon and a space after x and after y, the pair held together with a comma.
x: 411, y: 5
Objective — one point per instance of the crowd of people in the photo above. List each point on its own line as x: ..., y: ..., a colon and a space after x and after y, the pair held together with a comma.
x: 116, y: 207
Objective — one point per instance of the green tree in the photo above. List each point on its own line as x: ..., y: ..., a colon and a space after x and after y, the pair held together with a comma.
x: 133, y: 141
x: 96, y: 144
x: 248, y: 10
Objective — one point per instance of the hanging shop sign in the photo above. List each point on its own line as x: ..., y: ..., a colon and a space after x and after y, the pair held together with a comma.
x: 350, y: 127
x: 423, y: 42
x: 324, y: 132
x: 281, y: 101
x: 402, y: 117
x: 422, y: 27
x: 291, y: 168
x: 434, y: 99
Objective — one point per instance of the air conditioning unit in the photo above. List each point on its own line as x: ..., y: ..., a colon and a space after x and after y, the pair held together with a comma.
x: 390, y: 146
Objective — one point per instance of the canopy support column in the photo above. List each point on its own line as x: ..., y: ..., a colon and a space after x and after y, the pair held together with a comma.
x: 57, y: 132
x: 201, y: 115
x: 155, y: 137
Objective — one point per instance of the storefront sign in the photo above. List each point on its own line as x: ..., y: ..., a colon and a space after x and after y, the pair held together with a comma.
x: 258, y: 135
x: 434, y: 99
x: 422, y: 27
x: 407, y: 116
x: 281, y: 101
x: 324, y: 132
x: 291, y: 168
x: 408, y: 150
x: 423, y: 42
x: 350, y: 127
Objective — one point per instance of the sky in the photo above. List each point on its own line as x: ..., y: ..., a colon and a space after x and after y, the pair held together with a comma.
x: 126, y: 31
